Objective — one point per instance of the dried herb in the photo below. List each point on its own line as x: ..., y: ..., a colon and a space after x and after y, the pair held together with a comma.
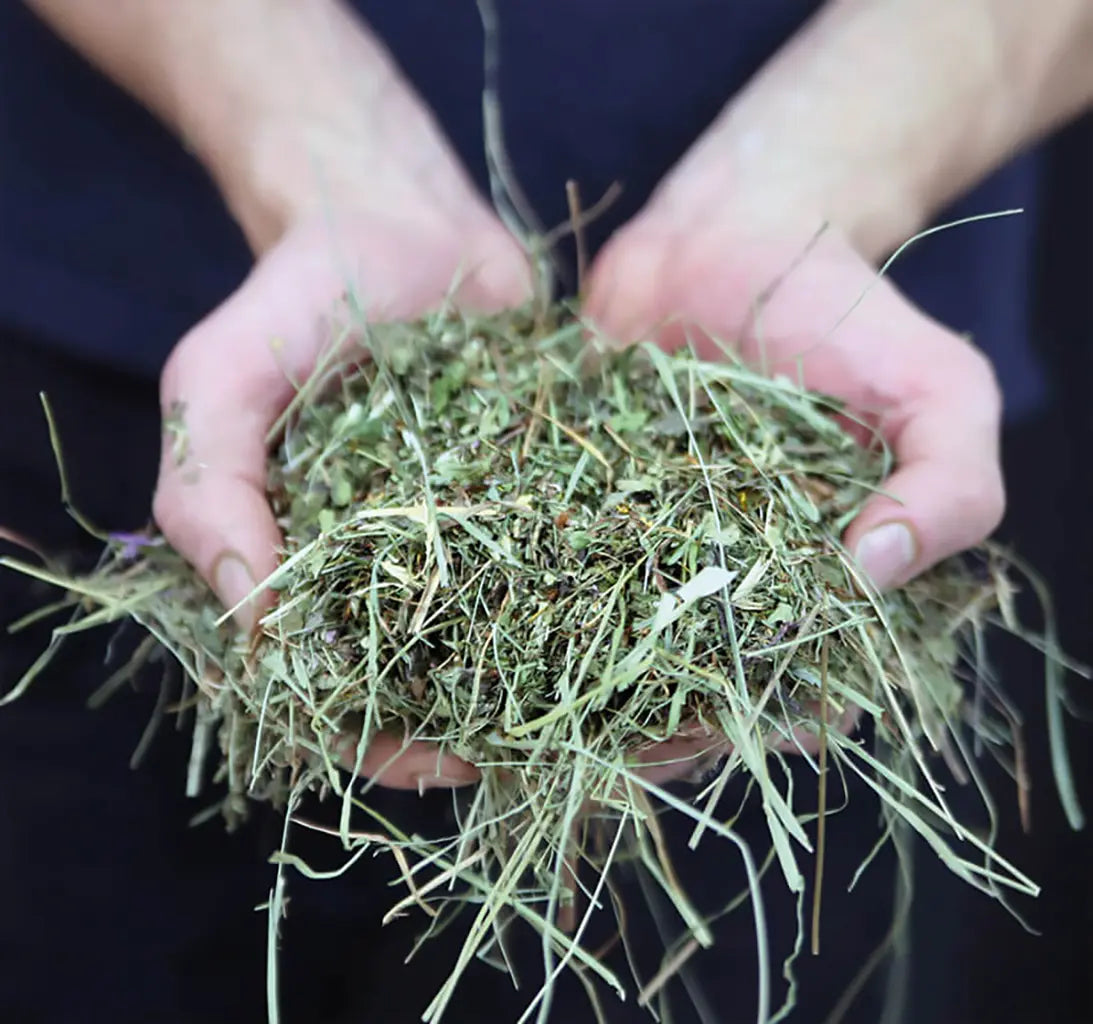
x: 545, y: 564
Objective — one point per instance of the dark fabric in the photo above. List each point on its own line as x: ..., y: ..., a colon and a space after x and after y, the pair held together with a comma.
x: 1005, y: 972
x: 113, y: 243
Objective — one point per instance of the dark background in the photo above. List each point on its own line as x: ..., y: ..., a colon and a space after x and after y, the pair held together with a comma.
x: 1006, y: 974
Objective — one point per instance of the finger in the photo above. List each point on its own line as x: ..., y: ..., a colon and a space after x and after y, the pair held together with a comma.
x: 398, y: 763
x: 696, y: 749
x: 221, y: 391
x: 625, y: 286
x: 807, y: 740
x: 947, y: 493
x: 683, y: 756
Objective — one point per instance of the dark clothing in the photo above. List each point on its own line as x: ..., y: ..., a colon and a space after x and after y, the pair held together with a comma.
x: 113, y: 242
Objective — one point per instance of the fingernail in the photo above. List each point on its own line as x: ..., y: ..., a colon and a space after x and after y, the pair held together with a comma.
x: 886, y: 553
x: 233, y: 581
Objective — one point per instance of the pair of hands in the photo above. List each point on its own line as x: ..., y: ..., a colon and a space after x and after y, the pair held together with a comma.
x: 931, y: 394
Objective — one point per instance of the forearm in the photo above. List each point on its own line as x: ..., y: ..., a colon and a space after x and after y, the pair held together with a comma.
x: 289, y: 105
x: 880, y: 112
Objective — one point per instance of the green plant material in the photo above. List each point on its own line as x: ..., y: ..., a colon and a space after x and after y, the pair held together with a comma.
x: 545, y: 564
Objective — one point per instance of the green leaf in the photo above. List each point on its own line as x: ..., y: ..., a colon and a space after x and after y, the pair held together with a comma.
x: 341, y: 491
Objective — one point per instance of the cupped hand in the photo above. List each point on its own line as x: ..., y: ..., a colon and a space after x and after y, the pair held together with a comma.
x: 229, y: 379
x: 808, y: 305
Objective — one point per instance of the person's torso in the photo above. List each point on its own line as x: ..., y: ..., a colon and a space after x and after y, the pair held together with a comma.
x: 113, y: 241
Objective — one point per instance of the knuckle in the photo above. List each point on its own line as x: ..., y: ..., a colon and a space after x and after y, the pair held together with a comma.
x: 981, y: 381
x: 173, y: 374
x: 166, y: 514
x: 988, y: 498
x: 994, y: 502
x: 981, y: 500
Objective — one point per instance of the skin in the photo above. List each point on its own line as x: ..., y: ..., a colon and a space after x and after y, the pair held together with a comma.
x: 266, y: 91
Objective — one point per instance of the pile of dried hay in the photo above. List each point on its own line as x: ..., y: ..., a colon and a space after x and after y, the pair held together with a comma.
x: 544, y: 565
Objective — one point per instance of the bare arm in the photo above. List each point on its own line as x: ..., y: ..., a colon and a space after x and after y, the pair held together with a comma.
x: 880, y: 112
x: 288, y: 105
x: 344, y: 185
x: 871, y: 119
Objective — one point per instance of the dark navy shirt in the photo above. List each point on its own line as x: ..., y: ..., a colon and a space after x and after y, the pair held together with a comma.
x: 113, y: 241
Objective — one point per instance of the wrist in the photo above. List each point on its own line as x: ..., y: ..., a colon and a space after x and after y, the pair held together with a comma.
x: 752, y: 193
x: 870, y: 119
x: 876, y: 116
x: 310, y: 117
x: 294, y: 169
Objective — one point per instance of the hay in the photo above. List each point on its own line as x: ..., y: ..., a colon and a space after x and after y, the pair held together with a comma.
x: 544, y: 566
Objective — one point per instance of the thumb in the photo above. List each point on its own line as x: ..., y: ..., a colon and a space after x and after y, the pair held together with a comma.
x: 221, y: 391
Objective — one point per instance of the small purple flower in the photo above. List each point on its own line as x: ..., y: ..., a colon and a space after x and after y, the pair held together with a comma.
x: 132, y: 543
